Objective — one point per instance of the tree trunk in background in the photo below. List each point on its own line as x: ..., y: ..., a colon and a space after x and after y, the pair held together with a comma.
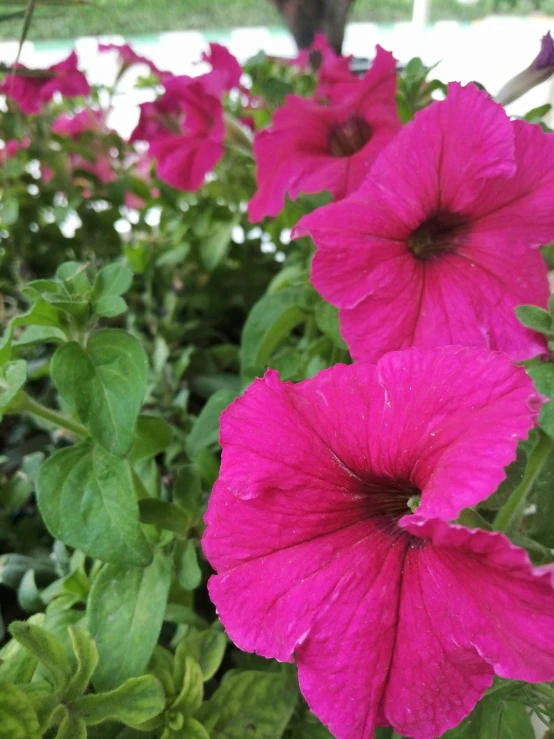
x: 305, y: 18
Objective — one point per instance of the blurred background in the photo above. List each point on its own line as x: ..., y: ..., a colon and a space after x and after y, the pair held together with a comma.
x: 484, y: 40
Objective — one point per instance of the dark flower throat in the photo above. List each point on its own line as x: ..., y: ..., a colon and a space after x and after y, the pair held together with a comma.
x: 442, y: 233
x: 349, y: 136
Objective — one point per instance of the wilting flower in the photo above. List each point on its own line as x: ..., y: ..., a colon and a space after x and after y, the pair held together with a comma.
x: 312, y: 147
x: 185, y: 130
x: 224, y: 65
x: 87, y: 121
x: 393, y: 618
x: 32, y: 92
x: 128, y: 58
x: 540, y: 69
x: 433, y: 249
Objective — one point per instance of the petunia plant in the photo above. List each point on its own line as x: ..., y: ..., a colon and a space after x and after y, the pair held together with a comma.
x: 276, y: 383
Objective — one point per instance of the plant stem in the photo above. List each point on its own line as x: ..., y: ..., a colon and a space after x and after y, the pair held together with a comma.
x: 26, y: 404
x: 509, y: 516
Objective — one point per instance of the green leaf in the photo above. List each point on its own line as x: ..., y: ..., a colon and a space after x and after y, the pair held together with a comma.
x: 270, y: 320
x: 87, y: 500
x: 187, y: 569
x: 206, y: 647
x: 17, y: 664
x: 42, y: 699
x: 153, y: 435
x: 250, y: 703
x: 112, y: 281
x: 136, y: 701
x: 214, y: 247
x: 125, y: 613
x: 205, y: 431
x: 307, y: 726
x: 72, y: 727
x: 535, y: 318
x: 110, y: 306
x: 41, y: 314
x: 86, y: 653
x: 192, y: 729
x: 13, y: 376
x: 46, y: 649
x: 40, y: 335
x: 327, y: 319
x: 105, y: 383
x: 18, y: 720
x: 165, y: 515
x: 74, y: 277
x: 187, y: 489
x: 190, y: 683
x: 542, y: 374
x: 514, y: 723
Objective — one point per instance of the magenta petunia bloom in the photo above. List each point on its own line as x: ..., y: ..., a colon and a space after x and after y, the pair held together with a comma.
x: 225, y: 65
x: 31, y: 93
x: 91, y: 121
x: 312, y: 147
x: 393, y: 618
x: 185, y: 130
x: 434, y: 248
x: 128, y: 57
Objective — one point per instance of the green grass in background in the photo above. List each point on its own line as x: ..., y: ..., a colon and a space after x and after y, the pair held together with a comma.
x: 141, y: 17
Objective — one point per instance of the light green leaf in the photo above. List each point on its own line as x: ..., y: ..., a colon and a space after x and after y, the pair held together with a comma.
x: 136, y: 701
x: 205, y: 431
x: 41, y: 335
x: 110, y: 306
x: 86, y: 653
x: 515, y: 723
x: 74, y: 277
x: 125, y: 613
x: 535, y: 318
x: 72, y: 727
x: 192, y: 729
x: 105, y: 383
x: 153, y: 435
x: 17, y: 664
x: 187, y: 569
x: 542, y: 374
x: 87, y: 500
x: 270, y: 320
x: 214, y: 247
x: 190, y: 683
x: 327, y: 319
x: 46, y: 649
x: 112, y: 280
x: 263, y: 700
x: 13, y: 376
x: 206, y: 647
x: 41, y: 314
x: 18, y: 720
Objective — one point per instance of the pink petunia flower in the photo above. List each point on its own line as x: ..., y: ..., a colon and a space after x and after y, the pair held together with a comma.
x: 312, y: 147
x: 128, y: 58
x: 141, y: 168
x: 31, y: 93
x: 433, y: 249
x: 74, y: 126
x: 12, y: 146
x: 393, y: 618
x: 185, y: 130
x: 225, y: 65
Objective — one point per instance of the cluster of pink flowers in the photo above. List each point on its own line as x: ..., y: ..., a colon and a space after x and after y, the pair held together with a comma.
x: 332, y: 526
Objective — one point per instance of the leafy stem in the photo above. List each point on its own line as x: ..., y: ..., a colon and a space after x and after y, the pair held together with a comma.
x: 26, y: 404
x: 509, y: 516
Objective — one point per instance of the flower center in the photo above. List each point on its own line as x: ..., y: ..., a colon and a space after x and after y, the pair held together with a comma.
x: 349, y: 136
x: 442, y: 233
x: 390, y: 498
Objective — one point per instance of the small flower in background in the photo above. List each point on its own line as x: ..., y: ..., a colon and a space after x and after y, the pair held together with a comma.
x: 434, y: 248
x: 128, y: 58
x: 541, y: 69
x: 185, y: 130
x: 88, y: 121
x: 225, y: 65
x: 140, y: 166
x: 32, y: 92
x: 312, y: 147
x: 12, y: 147
x: 319, y: 557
